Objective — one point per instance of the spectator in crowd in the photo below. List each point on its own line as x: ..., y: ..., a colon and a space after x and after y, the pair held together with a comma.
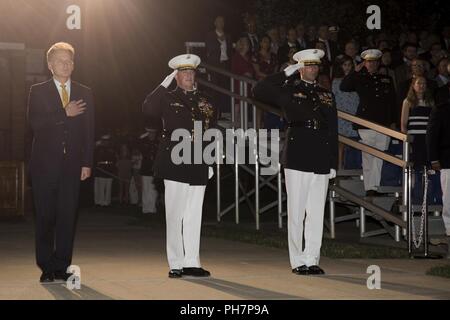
x: 403, y: 71
x: 382, y: 45
x: 251, y: 34
x: 290, y: 43
x: 414, y: 120
x: 124, y: 166
x: 311, y: 35
x: 282, y: 32
x: 436, y: 54
x: 325, y: 66
x: 303, y: 43
x: 264, y: 61
x: 290, y: 61
x: 377, y: 104
x: 351, y: 50
x: 438, y: 137
x: 445, y: 38
x: 443, y: 93
x: 386, y: 63
x: 330, y: 46
x: 418, y: 68
x: 241, y: 64
x: 442, y: 77
x: 347, y: 102
x: 333, y: 32
x: 218, y: 53
x: 274, y: 40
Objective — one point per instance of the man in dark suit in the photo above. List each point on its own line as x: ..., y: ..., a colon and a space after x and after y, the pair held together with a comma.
x: 61, y: 114
x: 310, y: 155
x: 438, y: 147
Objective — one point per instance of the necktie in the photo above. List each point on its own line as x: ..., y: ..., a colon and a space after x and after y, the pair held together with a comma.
x: 64, y: 96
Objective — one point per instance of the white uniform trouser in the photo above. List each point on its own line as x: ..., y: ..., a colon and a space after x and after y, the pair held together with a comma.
x: 184, y: 204
x: 149, y: 195
x: 306, y: 193
x: 102, y: 191
x: 445, y: 185
x: 372, y: 165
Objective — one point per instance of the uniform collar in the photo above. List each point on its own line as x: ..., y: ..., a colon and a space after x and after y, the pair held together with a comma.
x: 309, y: 84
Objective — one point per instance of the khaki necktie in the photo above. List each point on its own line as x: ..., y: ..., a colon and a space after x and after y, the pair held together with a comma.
x: 64, y: 96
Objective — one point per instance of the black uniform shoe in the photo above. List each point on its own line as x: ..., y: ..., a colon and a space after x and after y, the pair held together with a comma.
x: 62, y: 275
x: 47, y: 277
x: 315, y: 270
x: 302, y: 270
x: 196, y: 272
x: 175, y: 273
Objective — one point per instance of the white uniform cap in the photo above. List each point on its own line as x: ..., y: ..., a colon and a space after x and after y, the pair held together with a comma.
x: 309, y: 56
x: 371, y: 54
x: 184, y: 62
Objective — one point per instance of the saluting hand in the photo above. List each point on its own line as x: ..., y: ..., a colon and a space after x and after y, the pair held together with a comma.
x: 168, y: 80
x: 85, y: 173
x: 359, y: 66
x: 75, y: 108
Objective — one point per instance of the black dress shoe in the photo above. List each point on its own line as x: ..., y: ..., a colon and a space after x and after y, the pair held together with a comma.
x: 301, y: 271
x: 47, y: 277
x: 196, y: 272
x: 175, y: 273
x: 316, y: 270
x: 62, y: 275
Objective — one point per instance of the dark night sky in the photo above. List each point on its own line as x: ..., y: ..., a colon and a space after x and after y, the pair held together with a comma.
x: 124, y: 45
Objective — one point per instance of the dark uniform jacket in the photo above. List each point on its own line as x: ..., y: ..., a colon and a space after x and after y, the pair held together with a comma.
x: 438, y: 135
x: 179, y: 109
x: 57, y: 137
x: 377, y: 100
x: 305, y: 149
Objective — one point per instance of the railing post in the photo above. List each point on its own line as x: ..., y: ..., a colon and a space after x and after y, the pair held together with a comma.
x: 241, y: 103
x: 218, y: 180
x: 245, y: 107
x: 362, y: 222
x: 332, y: 214
x: 236, y: 181
x: 232, y: 103
x: 280, y: 199
x: 405, y: 184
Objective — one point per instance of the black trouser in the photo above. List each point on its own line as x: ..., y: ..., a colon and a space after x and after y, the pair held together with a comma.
x: 222, y: 101
x: 56, y: 202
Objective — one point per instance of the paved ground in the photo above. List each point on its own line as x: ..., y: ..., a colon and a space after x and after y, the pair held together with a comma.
x: 121, y: 259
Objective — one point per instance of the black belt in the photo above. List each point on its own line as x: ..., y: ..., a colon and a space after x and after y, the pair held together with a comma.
x: 313, y: 124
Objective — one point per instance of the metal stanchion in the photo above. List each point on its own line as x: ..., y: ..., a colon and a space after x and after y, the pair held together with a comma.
x: 362, y: 222
x: 218, y: 180
x: 332, y: 214
x: 280, y: 199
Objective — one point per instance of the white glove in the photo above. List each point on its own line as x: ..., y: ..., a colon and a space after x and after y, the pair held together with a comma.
x: 332, y: 173
x: 168, y: 80
x: 210, y: 172
x: 290, y: 70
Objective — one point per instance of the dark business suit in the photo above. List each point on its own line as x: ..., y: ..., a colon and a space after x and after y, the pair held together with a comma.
x: 61, y: 147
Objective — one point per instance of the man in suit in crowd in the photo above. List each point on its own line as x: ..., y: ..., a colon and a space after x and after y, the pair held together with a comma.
x: 61, y: 114
x: 218, y: 54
